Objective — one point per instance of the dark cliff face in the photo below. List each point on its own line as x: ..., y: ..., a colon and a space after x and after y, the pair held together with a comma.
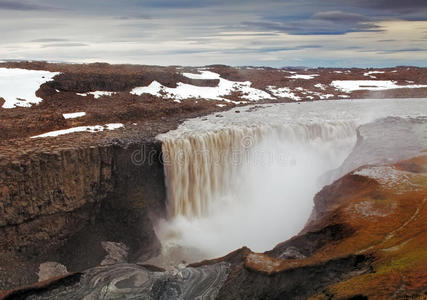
x: 59, y: 206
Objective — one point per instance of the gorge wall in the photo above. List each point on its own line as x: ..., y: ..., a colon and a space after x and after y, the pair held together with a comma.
x: 59, y: 206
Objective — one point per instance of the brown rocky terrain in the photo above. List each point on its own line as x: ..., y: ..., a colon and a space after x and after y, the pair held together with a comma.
x: 59, y: 96
x: 60, y: 197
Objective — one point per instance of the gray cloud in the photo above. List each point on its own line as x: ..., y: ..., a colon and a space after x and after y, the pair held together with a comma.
x: 271, y: 49
x: 402, y: 50
x: 60, y: 45
x: 396, y: 4
x: 246, y: 32
x: 135, y: 17
x: 337, y: 16
x: 48, y: 40
x: 314, y: 27
x: 23, y: 6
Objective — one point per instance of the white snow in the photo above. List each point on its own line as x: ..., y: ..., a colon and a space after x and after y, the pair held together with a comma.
x: 325, y: 96
x: 18, y: 87
x: 252, y: 68
x: 99, y: 94
x: 186, y: 91
x: 300, y: 76
x: 154, y: 89
x: 369, y: 74
x: 204, y: 75
x: 284, y: 92
x: 96, y: 94
x: 387, y: 176
x: 321, y: 86
x: 95, y: 128
x: 373, y: 85
x: 74, y: 115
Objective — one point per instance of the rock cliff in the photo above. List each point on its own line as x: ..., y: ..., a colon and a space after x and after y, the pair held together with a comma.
x: 60, y: 205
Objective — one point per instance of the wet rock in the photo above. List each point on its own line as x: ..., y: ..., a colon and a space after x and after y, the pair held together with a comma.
x: 137, y: 282
x: 50, y: 270
x: 291, y: 253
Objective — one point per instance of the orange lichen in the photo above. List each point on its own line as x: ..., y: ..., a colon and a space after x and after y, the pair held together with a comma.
x: 390, y: 225
x: 395, y: 234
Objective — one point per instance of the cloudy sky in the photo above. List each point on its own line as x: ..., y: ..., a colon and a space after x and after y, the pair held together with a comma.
x: 200, y: 32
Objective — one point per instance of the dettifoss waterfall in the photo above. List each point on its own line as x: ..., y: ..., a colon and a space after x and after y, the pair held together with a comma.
x: 249, y: 178
x: 206, y: 168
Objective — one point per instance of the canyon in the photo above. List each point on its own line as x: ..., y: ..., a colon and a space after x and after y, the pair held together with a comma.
x: 146, y: 209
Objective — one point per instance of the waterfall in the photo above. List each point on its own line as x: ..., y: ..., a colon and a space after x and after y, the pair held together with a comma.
x: 204, y: 167
x: 199, y: 168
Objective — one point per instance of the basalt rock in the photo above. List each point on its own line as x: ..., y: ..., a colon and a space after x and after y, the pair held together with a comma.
x: 60, y: 206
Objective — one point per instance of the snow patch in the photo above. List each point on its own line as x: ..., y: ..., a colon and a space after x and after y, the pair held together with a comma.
x: 387, y: 176
x: 74, y: 115
x: 186, y: 91
x: 372, y: 85
x: 301, y: 76
x: 205, y: 75
x: 18, y: 87
x: 283, y: 93
x: 325, y: 96
x: 369, y: 74
x: 288, y: 93
x: 97, y: 94
x: 321, y: 86
x: 154, y: 89
x: 95, y: 128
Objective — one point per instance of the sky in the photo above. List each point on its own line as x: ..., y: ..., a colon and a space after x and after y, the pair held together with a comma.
x: 276, y: 33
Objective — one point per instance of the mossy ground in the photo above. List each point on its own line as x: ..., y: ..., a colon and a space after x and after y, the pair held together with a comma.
x: 397, y: 240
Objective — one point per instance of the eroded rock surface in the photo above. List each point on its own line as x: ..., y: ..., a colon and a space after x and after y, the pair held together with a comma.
x: 129, y: 281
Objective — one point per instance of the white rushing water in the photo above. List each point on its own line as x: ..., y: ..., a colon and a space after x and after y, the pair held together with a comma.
x: 248, y: 176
